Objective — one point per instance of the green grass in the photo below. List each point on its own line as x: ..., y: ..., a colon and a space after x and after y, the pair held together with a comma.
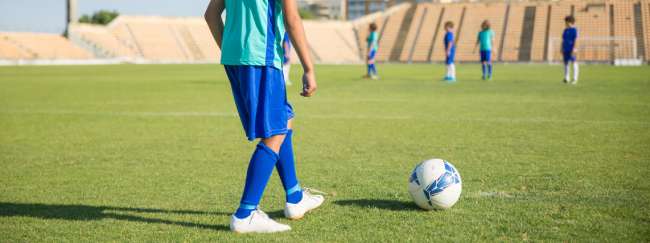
x: 157, y: 153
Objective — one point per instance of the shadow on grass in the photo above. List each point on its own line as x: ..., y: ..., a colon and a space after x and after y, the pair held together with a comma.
x: 393, y: 205
x: 85, y: 212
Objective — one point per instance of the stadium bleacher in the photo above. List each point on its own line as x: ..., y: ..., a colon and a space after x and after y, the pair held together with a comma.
x: 427, y: 31
x: 390, y: 32
x: 409, y: 32
x: 623, y: 14
x: 20, y: 45
x: 105, y: 42
x: 644, y: 20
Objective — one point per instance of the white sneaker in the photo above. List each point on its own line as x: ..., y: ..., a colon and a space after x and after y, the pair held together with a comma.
x: 308, y: 203
x: 257, y: 222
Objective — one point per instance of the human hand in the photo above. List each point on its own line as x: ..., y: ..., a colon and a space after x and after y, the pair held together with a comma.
x: 308, y: 84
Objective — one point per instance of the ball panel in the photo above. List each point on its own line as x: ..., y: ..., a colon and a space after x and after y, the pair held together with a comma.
x: 447, y: 198
x: 430, y: 170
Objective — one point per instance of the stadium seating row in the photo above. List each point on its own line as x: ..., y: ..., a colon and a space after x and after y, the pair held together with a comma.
x: 525, y: 31
x: 38, y: 46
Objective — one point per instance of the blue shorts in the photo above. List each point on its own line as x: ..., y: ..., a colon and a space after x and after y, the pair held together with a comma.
x: 568, y: 56
x: 261, y: 98
x: 486, y: 56
x: 451, y: 58
x: 372, y: 54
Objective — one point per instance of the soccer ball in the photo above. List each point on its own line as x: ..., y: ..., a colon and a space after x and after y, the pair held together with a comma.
x: 435, y: 184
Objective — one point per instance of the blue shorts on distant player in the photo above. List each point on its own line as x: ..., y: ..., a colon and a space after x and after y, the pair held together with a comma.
x: 261, y: 98
x: 372, y: 54
x: 451, y: 58
x: 568, y: 57
x: 486, y: 56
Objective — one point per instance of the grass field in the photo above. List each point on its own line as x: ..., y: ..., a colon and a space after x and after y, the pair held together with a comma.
x: 156, y: 153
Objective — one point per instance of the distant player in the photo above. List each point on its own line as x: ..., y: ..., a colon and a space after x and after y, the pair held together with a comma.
x: 251, y: 45
x: 450, y: 52
x: 485, y: 40
x: 569, y: 50
x: 286, y: 59
x: 373, y: 46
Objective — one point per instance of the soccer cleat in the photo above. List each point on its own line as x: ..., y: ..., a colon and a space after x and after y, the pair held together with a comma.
x: 374, y: 77
x: 574, y: 82
x: 257, y: 222
x: 565, y: 81
x: 309, y: 202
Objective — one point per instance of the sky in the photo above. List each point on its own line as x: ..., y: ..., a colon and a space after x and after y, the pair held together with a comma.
x: 49, y: 15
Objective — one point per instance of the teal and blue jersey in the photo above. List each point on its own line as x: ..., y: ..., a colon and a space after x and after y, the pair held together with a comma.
x: 569, y: 39
x: 373, y: 41
x: 485, y: 39
x: 253, y: 33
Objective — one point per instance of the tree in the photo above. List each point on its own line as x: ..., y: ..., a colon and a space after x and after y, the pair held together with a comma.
x: 306, y: 14
x: 102, y: 17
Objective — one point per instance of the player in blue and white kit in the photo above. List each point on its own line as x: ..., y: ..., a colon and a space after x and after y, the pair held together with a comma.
x: 569, y: 50
x: 450, y: 52
x: 373, y: 46
x: 486, y: 41
x: 251, y: 52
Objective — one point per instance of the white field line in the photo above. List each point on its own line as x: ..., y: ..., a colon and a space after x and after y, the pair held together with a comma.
x: 325, y: 117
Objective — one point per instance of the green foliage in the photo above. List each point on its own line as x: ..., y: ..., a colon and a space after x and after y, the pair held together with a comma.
x: 306, y: 14
x: 102, y: 17
x: 156, y: 153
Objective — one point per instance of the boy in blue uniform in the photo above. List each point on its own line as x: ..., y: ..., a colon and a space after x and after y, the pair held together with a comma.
x: 373, y: 40
x: 251, y: 52
x: 569, y: 40
x: 450, y: 52
x: 286, y: 60
x: 485, y: 40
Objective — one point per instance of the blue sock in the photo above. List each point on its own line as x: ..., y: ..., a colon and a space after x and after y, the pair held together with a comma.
x: 489, y: 69
x: 369, y: 69
x: 287, y: 171
x: 257, y: 176
x: 373, y: 69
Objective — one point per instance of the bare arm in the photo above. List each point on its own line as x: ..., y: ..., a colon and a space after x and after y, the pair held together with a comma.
x: 297, y: 35
x: 213, y: 18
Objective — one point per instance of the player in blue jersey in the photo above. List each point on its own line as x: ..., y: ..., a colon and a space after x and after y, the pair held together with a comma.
x: 251, y: 52
x: 373, y: 46
x: 286, y: 59
x: 486, y: 41
x: 569, y: 50
x: 450, y: 52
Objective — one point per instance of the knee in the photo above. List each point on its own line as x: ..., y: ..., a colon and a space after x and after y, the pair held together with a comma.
x: 274, y: 142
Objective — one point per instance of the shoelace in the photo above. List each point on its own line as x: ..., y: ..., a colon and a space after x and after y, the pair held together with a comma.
x: 314, y: 191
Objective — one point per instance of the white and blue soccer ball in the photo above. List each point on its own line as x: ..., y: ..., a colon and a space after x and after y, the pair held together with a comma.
x: 435, y: 184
